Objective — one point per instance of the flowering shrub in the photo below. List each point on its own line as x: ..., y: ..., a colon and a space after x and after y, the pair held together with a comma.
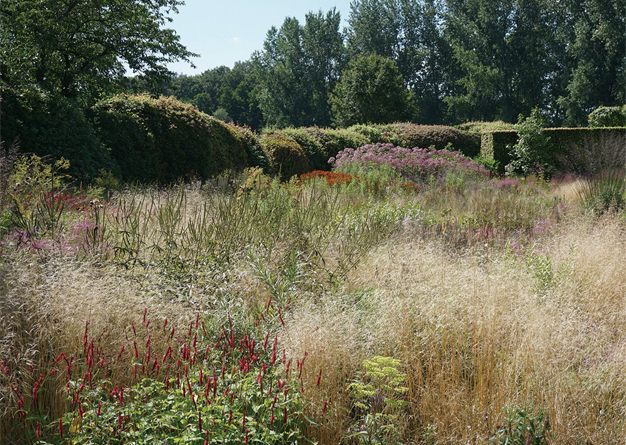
x: 416, y: 164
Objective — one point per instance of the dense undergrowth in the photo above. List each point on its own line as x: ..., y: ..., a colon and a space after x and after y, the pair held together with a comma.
x: 357, y: 306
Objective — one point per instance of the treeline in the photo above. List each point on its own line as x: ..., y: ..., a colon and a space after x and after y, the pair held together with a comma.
x: 459, y: 60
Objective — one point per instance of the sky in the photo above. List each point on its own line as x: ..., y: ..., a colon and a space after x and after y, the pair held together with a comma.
x: 228, y: 31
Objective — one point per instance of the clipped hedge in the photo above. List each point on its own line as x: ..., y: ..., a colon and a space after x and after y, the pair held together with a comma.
x: 163, y: 139
x: 53, y: 126
x: 439, y: 136
x: 340, y: 139
x: 481, y: 126
x: 313, y: 148
x: 495, y: 144
x: 286, y: 157
x: 321, y: 144
x: 608, y: 117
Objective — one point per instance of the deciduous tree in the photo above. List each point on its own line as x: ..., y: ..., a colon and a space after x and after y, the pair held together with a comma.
x: 85, y: 46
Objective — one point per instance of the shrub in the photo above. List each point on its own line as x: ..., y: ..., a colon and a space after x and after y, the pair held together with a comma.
x: 286, y: 157
x: 340, y: 139
x: 608, y: 117
x: 248, y: 140
x: 376, y: 134
x: 313, y: 148
x: 54, y: 126
x: 163, y: 139
x: 417, y: 164
x: 531, y: 153
x: 437, y: 136
x: 479, y: 126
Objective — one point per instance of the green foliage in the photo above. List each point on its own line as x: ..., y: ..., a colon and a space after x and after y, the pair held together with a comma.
x: 54, y: 126
x: 608, y: 117
x: 298, y: 68
x: 286, y: 157
x: 377, y: 134
x: 489, y: 163
x: 377, y: 397
x: 31, y: 206
x: 371, y: 90
x: 315, y: 151
x: 340, y: 139
x: 248, y: 140
x: 222, y: 115
x: 86, y: 46
x: 605, y: 192
x: 479, y: 126
x: 531, y: 153
x: 523, y: 427
x: 439, y: 136
x: 162, y: 139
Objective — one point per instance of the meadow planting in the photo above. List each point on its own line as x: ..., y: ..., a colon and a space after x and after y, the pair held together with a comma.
x: 406, y: 297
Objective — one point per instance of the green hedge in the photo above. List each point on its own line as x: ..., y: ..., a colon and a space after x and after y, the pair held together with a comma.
x: 53, y: 126
x: 439, y: 136
x: 494, y: 143
x: 312, y: 146
x: 340, y: 139
x: 163, y: 139
x: 286, y: 157
x: 479, y: 127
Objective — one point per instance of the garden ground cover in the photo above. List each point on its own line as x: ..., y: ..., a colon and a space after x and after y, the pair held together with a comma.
x: 442, y: 313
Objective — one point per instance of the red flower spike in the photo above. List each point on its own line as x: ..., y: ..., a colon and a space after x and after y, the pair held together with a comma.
x: 61, y: 428
x: 145, y: 311
x: 38, y: 431
x: 319, y: 378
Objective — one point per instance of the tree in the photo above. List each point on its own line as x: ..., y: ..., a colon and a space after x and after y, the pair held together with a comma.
x: 595, y: 57
x: 410, y: 33
x: 371, y: 90
x: 298, y: 68
x: 74, y: 47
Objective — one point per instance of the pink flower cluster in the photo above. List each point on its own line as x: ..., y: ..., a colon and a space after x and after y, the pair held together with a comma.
x: 411, y: 163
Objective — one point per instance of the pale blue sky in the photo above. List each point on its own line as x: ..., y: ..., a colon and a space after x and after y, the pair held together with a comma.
x: 227, y: 31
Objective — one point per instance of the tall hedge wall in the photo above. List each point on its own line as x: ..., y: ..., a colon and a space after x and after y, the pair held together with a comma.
x: 439, y: 136
x: 52, y: 126
x: 163, y: 139
x: 494, y: 143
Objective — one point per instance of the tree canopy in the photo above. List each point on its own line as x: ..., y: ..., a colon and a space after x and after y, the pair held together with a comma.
x: 371, y: 90
x: 77, y: 47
